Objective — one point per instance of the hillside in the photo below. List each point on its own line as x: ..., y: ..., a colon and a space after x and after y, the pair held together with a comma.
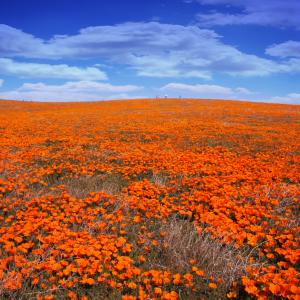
x: 149, y: 199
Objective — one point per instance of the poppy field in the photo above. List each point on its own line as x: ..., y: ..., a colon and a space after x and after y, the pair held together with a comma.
x: 149, y: 199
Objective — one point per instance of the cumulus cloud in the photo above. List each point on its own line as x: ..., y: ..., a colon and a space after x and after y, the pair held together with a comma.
x: 71, y: 91
x: 292, y: 98
x: 211, y: 91
x: 163, y: 50
x: 204, y: 91
x: 15, y: 42
x: 286, y: 49
x: 150, y: 49
x: 277, y: 13
x: 161, y: 66
x: 39, y: 70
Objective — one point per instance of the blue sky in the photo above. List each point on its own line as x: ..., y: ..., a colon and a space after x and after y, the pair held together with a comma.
x: 63, y: 50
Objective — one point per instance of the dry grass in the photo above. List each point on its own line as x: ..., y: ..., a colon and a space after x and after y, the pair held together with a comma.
x: 80, y: 187
x: 184, y: 243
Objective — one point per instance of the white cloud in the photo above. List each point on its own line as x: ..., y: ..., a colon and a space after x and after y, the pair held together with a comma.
x: 244, y: 91
x: 204, y: 91
x: 151, y: 49
x: 221, y: 19
x: 292, y: 98
x: 15, y: 42
x: 38, y: 70
x: 210, y: 91
x: 160, y: 67
x: 162, y: 50
x: 277, y: 13
x: 71, y: 91
x: 286, y: 49
x: 1, y: 82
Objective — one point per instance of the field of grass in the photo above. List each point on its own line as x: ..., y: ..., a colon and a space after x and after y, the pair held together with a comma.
x: 149, y: 199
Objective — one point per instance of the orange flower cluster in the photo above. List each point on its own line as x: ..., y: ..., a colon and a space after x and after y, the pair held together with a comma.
x: 87, y: 188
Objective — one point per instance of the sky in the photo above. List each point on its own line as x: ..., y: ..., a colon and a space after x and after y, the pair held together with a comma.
x: 67, y: 50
